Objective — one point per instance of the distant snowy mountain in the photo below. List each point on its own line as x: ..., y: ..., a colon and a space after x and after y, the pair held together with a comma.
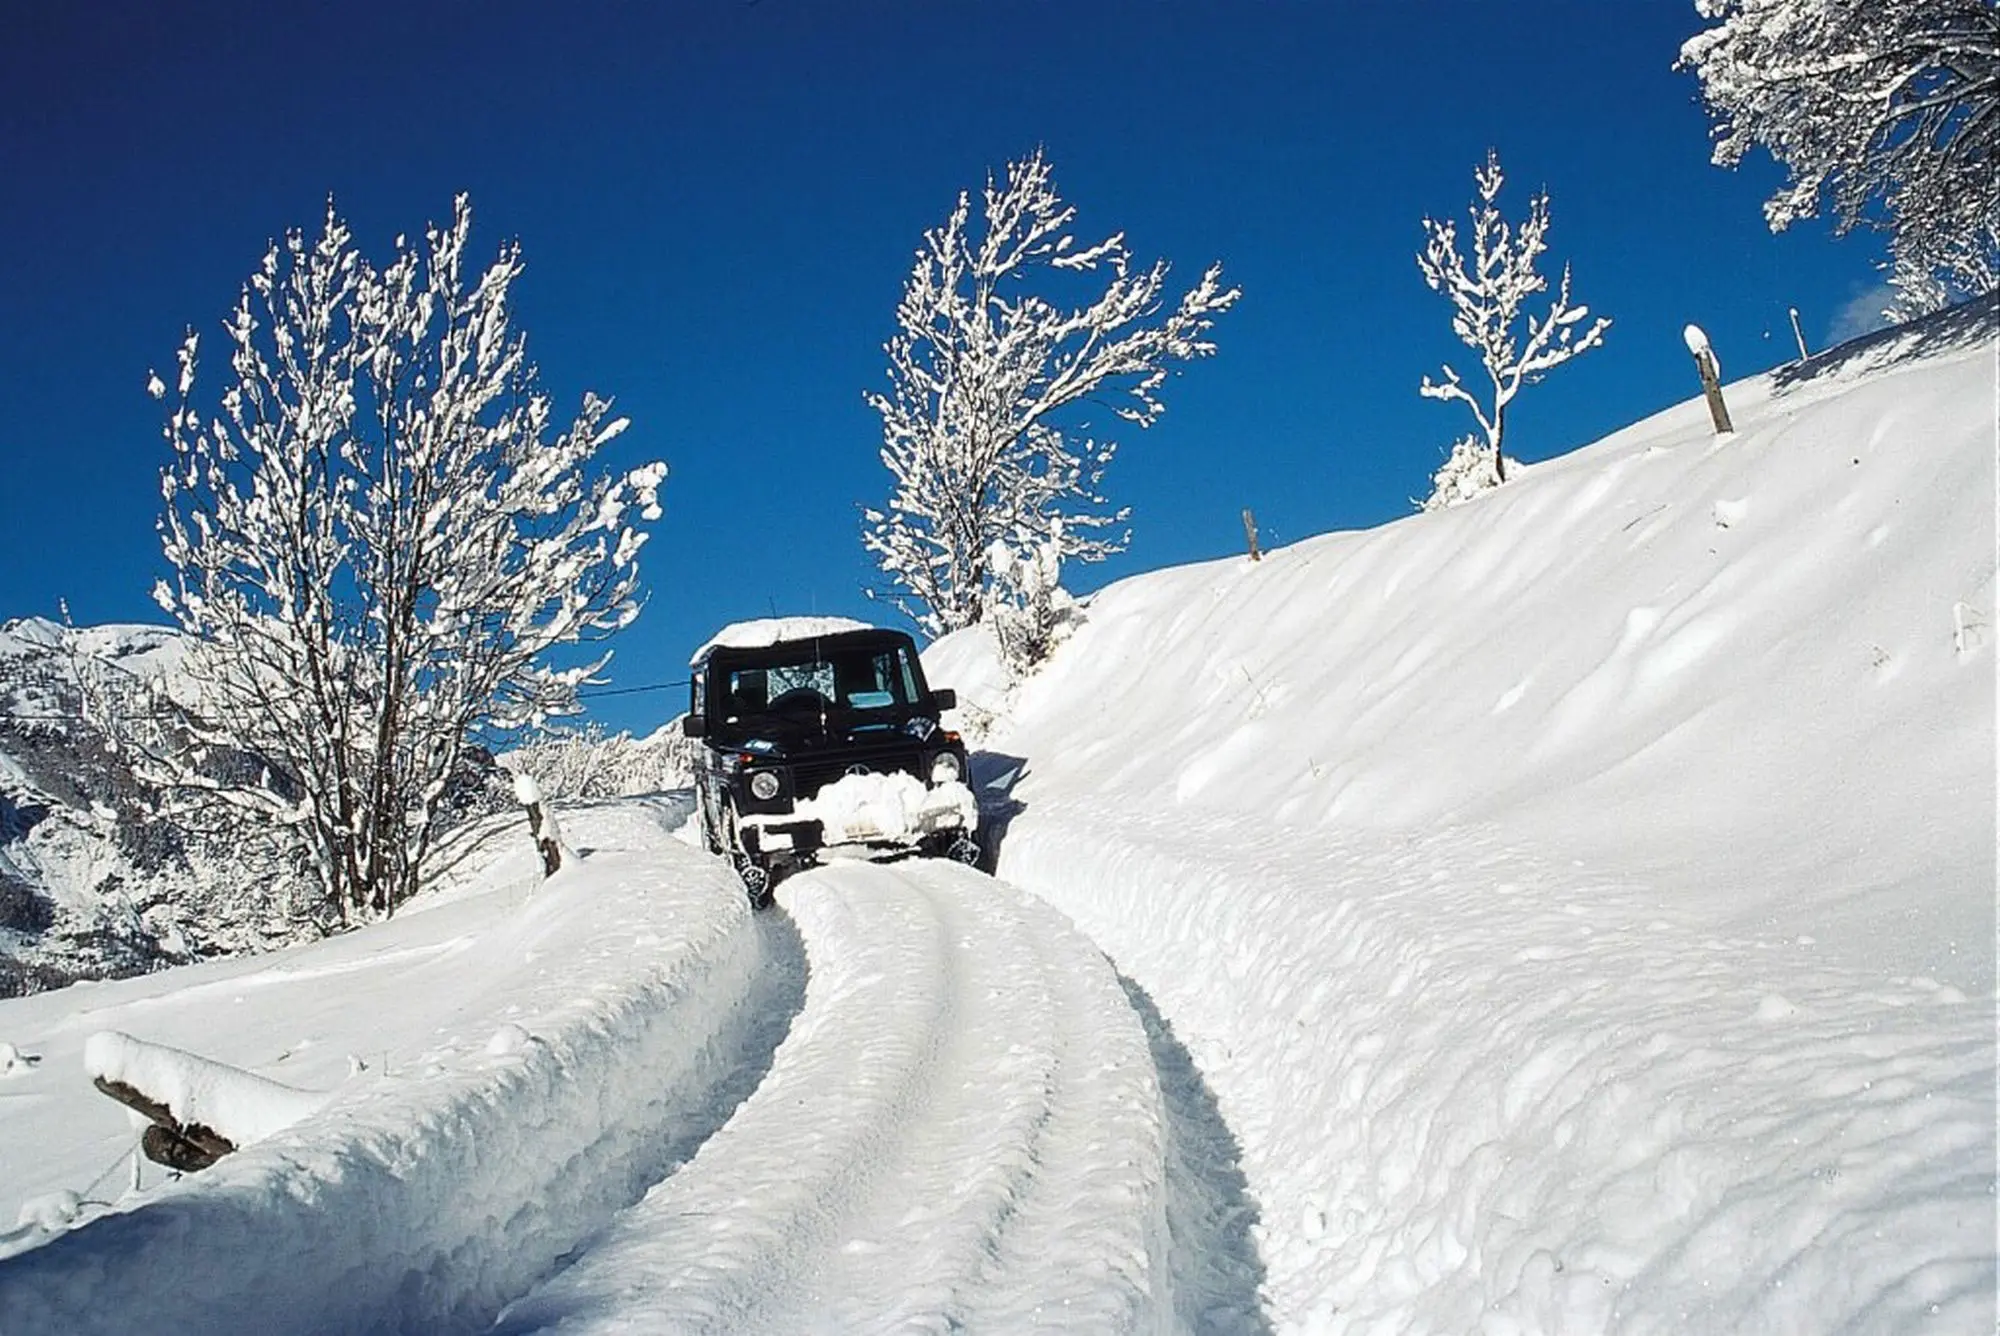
x: 90, y: 886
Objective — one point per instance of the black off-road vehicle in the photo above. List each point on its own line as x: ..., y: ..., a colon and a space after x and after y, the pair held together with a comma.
x: 820, y: 733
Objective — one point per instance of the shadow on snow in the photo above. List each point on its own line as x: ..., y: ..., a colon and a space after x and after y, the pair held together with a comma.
x: 1217, y: 1273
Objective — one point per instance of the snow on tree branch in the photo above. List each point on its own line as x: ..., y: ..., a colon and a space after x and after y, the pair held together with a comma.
x: 1885, y: 111
x: 984, y: 430
x: 1488, y: 294
x: 376, y: 538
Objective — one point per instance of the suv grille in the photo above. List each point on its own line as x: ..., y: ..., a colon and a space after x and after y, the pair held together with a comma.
x: 810, y: 778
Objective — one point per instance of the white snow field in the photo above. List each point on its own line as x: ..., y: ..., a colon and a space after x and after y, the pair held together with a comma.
x: 1571, y: 911
x: 1580, y: 901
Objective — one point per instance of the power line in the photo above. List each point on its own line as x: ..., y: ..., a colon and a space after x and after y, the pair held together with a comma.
x: 78, y: 718
x: 628, y: 691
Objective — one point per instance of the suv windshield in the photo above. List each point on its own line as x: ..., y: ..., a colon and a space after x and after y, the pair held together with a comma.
x: 803, y: 680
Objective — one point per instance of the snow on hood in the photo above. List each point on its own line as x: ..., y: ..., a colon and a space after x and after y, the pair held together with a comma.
x: 893, y: 807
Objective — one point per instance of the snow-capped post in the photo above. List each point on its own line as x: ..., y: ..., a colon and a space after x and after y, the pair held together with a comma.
x: 1250, y: 532
x: 1711, y: 377
x: 542, y: 827
x: 1798, y: 333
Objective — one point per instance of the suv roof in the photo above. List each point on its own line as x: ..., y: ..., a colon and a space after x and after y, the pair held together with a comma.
x: 768, y: 631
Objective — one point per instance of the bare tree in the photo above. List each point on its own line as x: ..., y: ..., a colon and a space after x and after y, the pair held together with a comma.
x: 375, y: 543
x: 1886, y: 110
x: 1487, y: 300
x: 981, y: 429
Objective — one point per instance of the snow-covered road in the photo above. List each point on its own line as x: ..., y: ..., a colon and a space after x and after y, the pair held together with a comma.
x: 909, y: 1098
x: 963, y: 1130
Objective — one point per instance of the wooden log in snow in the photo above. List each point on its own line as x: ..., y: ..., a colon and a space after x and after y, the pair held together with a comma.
x: 177, y: 1145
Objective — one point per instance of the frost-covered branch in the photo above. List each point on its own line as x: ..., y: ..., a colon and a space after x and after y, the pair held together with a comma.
x: 1885, y: 112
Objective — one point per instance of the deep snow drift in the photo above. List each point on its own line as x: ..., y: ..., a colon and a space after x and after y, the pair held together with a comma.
x: 1581, y: 901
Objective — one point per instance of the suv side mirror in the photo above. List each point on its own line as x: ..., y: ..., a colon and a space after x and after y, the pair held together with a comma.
x: 694, y: 725
x: 944, y: 698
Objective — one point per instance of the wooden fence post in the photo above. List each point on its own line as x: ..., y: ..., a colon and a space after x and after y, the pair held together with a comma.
x: 1250, y: 532
x: 1711, y: 378
x: 542, y: 828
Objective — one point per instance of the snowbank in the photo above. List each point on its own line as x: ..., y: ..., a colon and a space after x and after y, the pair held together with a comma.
x: 425, y: 1197
x: 1477, y: 1092
x: 1581, y: 901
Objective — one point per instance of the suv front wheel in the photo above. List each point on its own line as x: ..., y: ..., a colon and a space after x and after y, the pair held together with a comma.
x: 758, y: 883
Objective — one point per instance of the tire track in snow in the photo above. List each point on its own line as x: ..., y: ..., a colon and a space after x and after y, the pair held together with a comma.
x: 962, y: 1131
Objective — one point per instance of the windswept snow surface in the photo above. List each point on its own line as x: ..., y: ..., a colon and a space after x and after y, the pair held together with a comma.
x: 1580, y: 901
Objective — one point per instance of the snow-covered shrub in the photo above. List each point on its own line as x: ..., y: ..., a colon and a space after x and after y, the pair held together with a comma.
x: 984, y: 430
x: 589, y: 763
x: 1029, y: 610
x: 1465, y: 473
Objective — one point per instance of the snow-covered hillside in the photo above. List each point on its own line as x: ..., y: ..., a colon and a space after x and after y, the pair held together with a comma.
x: 1581, y: 901
x: 1572, y: 911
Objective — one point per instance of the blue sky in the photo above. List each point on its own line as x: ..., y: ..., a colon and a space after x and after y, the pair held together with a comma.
x: 719, y: 203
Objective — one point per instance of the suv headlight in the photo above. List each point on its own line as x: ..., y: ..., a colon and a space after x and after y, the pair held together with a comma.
x: 945, y: 769
x: 764, y: 785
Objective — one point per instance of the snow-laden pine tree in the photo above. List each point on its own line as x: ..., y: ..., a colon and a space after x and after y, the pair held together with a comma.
x: 984, y: 428
x: 1487, y: 296
x: 1888, y: 111
x: 376, y: 537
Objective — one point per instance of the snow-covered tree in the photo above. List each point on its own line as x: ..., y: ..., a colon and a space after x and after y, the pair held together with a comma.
x: 1487, y: 299
x: 1888, y: 111
x: 587, y: 762
x: 375, y: 540
x: 983, y: 428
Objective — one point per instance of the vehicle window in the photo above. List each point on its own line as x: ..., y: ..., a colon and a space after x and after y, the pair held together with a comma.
x: 855, y: 679
x: 748, y: 693
x: 872, y: 680
x: 815, y: 677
